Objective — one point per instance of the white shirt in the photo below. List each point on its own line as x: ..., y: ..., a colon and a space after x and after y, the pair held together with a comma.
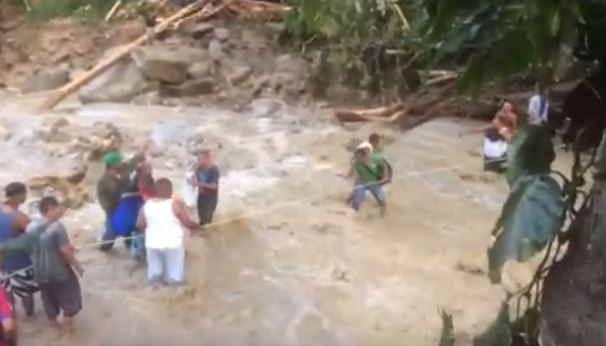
x: 164, y: 230
x: 535, y: 116
x: 494, y: 150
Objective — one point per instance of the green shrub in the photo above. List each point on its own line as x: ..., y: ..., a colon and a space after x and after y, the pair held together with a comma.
x: 86, y: 10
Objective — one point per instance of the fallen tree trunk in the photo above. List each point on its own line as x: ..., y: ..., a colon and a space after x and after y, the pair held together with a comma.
x: 76, y: 84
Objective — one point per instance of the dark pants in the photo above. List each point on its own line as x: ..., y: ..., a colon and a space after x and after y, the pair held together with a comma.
x: 109, y: 236
x: 207, y: 204
x: 61, y: 296
x: 495, y: 165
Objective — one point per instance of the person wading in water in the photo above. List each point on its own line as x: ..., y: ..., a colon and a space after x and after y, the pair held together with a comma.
x: 206, y: 179
x: 18, y: 266
x: 497, y: 135
x: 163, y: 219
x: 112, y: 184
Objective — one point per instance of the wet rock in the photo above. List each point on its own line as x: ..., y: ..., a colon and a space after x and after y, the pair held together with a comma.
x: 120, y: 83
x: 237, y: 159
x: 48, y: 78
x: 221, y: 34
x: 67, y: 188
x: 215, y: 49
x: 104, y: 137
x: 196, y: 87
x: 147, y: 99
x: 166, y: 64
x: 239, y: 74
x: 54, y: 130
x: 199, y: 30
x: 288, y: 62
x: 201, y: 69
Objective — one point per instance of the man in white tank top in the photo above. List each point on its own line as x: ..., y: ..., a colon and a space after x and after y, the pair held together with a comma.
x: 163, y: 220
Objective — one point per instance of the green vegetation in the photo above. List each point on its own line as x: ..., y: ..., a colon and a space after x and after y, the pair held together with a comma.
x: 375, y: 41
x: 89, y: 10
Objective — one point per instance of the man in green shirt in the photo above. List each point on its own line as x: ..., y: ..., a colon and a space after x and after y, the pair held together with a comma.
x: 115, y: 181
x: 371, y: 174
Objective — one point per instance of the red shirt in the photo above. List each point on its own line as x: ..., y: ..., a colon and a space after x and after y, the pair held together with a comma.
x: 6, y: 312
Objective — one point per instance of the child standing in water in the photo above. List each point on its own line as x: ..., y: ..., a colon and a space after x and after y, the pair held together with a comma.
x: 206, y: 180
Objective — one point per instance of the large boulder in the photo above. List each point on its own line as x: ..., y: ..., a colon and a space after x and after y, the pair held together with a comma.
x: 48, y: 78
x: 168, y: 64
x: 121, y: 83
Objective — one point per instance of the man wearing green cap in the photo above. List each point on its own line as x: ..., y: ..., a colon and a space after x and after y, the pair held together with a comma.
x: 112, y: 183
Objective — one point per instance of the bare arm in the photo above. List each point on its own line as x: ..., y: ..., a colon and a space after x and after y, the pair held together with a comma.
x: 180, y: 211
x: 480, y: 129
x: 21, y: 222
x: 141, y: 222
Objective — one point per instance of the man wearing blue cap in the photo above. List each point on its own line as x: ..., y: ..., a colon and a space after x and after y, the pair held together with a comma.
x: 112, y: 183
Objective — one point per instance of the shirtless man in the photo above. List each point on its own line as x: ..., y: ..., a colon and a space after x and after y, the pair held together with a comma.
x: 497, y: 135
x: 505, y: 122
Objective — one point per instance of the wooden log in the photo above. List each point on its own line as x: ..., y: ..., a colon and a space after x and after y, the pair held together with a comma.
x: 113, y: 10
x: 76, y: 84
x: 373, y: 114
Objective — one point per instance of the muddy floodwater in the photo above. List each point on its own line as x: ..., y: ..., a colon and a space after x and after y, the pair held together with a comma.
x: 288, y: 263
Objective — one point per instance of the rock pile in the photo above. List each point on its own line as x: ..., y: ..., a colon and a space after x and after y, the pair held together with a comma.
x: 199, y: 64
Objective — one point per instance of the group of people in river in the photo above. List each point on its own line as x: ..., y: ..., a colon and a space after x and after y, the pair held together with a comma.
x: 500, y: 132
x: 38, y: 256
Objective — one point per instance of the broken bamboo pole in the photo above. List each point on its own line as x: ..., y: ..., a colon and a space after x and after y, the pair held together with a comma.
x: 113, y: 10
x: 76, y: 84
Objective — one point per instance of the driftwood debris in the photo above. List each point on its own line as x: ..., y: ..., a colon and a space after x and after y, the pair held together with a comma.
x: 258, y: 9
x: 381, y: 114
x: 199, y: 10
x: 76, y: 84
x: 113, y: 10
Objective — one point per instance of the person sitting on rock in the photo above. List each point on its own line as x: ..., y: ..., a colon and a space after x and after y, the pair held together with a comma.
x: 163, y: 220
x: 370, y: 175
x: 112, y: 184
x: 17, y: 267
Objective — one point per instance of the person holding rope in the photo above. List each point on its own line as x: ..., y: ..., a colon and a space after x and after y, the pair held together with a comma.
x: 371, y: 173
x: 113, y: 183
x: 206, y: 180
x: 55, y: 267
x: 163, y: 220
x: 497, y: 135
x: 17, y: 268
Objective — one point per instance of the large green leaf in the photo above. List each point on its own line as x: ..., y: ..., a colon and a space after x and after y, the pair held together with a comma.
x: 530, y: 218
x: 498, y: 333
x: 531, y: 152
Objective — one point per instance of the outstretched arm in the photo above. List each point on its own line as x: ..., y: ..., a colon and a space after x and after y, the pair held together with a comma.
x: 180, y: 211
x: 23, y: 243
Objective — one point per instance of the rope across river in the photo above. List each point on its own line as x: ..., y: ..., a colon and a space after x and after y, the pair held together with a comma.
x: 277, y: 206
